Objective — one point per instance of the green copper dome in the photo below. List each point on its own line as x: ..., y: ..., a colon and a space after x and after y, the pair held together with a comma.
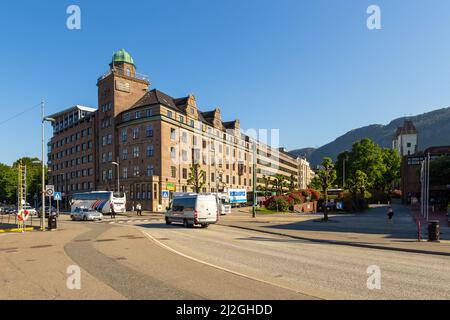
x: 122, y: 56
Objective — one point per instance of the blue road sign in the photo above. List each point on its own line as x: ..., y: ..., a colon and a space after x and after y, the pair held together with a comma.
x: 165, y: 194
x: 57, y: 196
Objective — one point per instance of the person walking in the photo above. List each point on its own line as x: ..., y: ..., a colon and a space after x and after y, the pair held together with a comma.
x: 390, y: 214
x: 113, y: 212
x: 139, y: 209
x: 132, y: 208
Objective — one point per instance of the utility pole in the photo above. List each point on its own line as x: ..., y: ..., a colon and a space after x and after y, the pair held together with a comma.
x: 343, y: 172
x: 43, y: 170
x: 118, y: 175
x: 428, y: 184
x: 254, y: 181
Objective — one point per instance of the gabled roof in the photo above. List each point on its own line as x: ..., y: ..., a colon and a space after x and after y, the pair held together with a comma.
x: 229, y: 124
x: 156, y: 97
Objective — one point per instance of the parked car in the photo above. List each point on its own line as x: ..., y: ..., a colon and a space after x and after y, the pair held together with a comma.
x: 192, y: 209
x: 85, y: 214
x: 53, y: 211
x: 31, y: 211
x: 11, y: 210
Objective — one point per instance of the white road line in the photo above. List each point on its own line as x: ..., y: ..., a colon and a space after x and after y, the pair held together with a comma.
x: 222, y: 268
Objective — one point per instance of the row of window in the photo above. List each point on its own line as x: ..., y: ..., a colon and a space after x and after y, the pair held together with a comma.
x: 74, y: 137
x: 74, y: 174
x: 127, y: 116
x: 143, y: 191
x: 135, y: 133
x: 73, y: 162
x: 106, y: 123
x: 85, y: 186
x: 106, y: 107
x: 107, y: 140
x: 150, y: 152
x: 72, y: 150
x: 69, y: 120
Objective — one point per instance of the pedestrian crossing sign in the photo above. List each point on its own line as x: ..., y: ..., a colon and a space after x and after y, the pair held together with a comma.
x: 57, y: 196
x: 165, y: 194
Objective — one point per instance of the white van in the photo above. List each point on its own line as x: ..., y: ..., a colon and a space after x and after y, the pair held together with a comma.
x: 193, y: 209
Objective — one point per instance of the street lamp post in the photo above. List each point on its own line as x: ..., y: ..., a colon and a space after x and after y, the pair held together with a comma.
x: 254, y: 181
x: 343, y: 172
x: 118, y: 176
x: 43, y: 120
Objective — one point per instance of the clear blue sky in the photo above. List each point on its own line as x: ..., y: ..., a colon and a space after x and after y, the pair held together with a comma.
x: 310, y: 68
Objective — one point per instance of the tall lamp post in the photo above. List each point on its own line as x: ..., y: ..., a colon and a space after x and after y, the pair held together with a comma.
x: 43, y: 120
x: 118, y: 176
x: 254, y: 181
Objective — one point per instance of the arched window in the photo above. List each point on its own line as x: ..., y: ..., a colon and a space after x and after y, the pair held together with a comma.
x: 128, y: 72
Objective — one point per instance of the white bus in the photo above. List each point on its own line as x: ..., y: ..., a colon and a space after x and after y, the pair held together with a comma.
x: 100, y: 201
x: 224, y: 203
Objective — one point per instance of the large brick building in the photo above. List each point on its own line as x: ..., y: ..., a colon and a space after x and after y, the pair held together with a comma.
x: 155, y: 139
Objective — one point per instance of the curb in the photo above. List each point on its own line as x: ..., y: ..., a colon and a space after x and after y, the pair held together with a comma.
x: 343, y: 243
x: 13, y: 230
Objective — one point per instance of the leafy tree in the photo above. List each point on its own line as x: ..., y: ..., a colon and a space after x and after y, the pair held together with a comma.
x: 341, y: 158
x: 266, y: 182
x: 292, y: 184
x: 381, y: 165
x: 326, y: 176
x: 357, y: 184
x: 279, y: 183
x: 440, y: 171
x: 196, y: 178
x: 8, y: 184
x: 391, y: 174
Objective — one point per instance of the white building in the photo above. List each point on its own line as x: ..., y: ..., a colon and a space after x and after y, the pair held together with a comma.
x: 305, y: 174
x: 405, y: 139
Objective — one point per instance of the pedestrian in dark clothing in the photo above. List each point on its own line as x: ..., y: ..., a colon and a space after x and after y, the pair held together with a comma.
x: 139, y: 209
x: 113, y: 212
x: 390, y: 214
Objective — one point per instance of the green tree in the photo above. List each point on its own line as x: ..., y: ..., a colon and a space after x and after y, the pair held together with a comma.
x: 366, y: 156
x: 266, y: 183
x: 292, y: 183
x: 279, y: 183
x: 440, y: 171
x: 196, y: 178
x: 326, y: 176
x: 8, y: 184
x: 381, y: 165
x: 391, y: 170
x: 357, y: 184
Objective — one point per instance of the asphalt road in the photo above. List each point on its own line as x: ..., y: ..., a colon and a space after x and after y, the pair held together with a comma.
x: 149, y: 260
x: 318, y: 269
x: 138, y: 268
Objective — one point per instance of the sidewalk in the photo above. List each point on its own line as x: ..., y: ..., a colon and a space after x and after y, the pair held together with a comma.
x: 367, y: 230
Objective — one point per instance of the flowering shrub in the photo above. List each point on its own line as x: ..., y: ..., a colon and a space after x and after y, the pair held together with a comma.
x: 314, y: 194
x: 295, y: 198
x: 287, y: 202
x: 279, y: 203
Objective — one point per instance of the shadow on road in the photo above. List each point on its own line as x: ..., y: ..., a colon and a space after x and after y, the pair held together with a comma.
x: 373, y: 222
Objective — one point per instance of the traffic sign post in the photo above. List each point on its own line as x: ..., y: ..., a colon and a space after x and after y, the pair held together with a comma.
x: 165, y: 194
x: 58, y: 197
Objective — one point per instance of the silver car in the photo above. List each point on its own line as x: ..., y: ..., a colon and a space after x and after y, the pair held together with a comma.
x: 85, y: 214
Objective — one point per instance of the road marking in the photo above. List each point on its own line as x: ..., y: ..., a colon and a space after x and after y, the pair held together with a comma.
x: 222, y: 268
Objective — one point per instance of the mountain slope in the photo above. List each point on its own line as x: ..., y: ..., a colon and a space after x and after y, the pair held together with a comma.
x: 305, y: 152
x: 433, y: 130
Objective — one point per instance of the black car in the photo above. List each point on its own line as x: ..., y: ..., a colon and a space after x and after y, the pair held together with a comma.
x: 53, y: 210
